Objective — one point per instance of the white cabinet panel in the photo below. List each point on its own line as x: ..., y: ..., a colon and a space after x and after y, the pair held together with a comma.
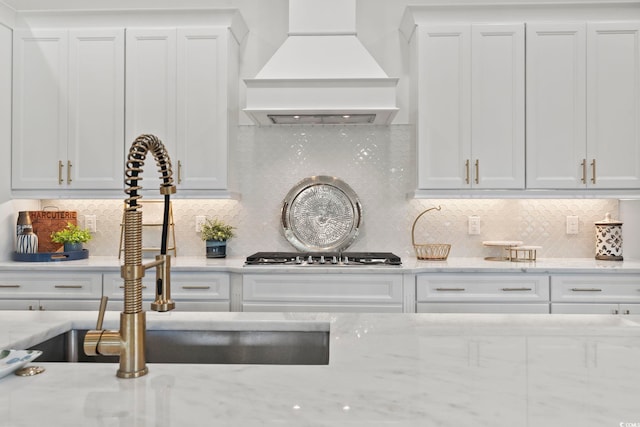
x: 563, y: 308
x: 179, y: 89
x: 613, y: 105
x: 482, y: 293
x: 443, y: 100
x: 452, y: 307
x: 595, y: 288
x: 50, y: 291
x: 497, y: 106
x: 469, y: 98
x: 595, y: 294
x: 583, y: 114
x: 322, y: 292
x: 151, y: 85
x: 39, y: 109
x: 482, y: 288
x: 68, y: 110
x: 556, y: 105
x: 191, y: 291
x: 202, y: 108
x: 96, y: 109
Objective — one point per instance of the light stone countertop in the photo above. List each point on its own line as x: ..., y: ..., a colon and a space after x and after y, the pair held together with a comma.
x: 384, y: 369
x: 409, y: 265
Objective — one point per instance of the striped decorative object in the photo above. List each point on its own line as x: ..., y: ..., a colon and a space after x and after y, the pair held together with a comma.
x: 27, y: 242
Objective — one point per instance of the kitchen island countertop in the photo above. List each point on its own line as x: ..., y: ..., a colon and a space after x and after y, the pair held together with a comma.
x: 384, y: 369
x: 409, y: 265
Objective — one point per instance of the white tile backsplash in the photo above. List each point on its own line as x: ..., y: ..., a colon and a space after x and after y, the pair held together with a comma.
x: 378, y: 163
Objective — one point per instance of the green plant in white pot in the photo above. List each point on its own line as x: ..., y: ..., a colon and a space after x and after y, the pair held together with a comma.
x: 216, y: 233
x: 72, y: 237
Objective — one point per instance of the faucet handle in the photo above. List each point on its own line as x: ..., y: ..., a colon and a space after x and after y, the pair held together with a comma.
x: 101, y: 311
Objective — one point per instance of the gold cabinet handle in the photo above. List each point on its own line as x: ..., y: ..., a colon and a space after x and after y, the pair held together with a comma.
x: 466, y: 175
x: 516, y: 289
x: 196, y: 287
x: 69, y: 171
x: 593, y: 171
x: 68, y: 286
x: 584, y: 171
x: 450, y: 289
x: 60, y: 166
x: 477, y: 171
x: 179, y: 172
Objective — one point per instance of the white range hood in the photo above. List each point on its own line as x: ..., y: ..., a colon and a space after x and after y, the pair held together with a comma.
x: 321, y: 73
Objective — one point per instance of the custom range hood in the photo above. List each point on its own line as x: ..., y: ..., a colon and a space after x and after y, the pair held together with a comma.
x: 321, y: 74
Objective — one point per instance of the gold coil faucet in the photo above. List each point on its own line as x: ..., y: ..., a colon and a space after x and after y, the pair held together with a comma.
x: 129, y: 341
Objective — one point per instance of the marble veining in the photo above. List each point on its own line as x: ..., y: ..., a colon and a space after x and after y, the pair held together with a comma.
x: 384, y: 369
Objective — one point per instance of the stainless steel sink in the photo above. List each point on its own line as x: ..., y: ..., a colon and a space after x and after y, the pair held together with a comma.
x: 209, y: 346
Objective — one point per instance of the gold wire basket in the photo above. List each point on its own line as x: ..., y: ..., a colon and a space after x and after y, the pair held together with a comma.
x: 429, y: 251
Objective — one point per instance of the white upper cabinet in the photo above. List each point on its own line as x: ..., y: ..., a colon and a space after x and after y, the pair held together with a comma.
x: 182, y: 87
x: 497, y: 106
x: 613, y: 105
x: 68, y: 110
x: 556, y: 105
x: 468, y: 92
x: 583, y: 113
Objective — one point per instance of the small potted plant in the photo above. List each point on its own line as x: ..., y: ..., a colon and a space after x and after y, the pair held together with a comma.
x: 72, y: 237
x: 216, y: 233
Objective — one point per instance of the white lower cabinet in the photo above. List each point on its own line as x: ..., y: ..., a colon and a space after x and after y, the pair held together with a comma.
x: 323, y: 292
x: 595, y: 294
x: 50, y: 291
x: 482, y: 293
x: 191, y: 291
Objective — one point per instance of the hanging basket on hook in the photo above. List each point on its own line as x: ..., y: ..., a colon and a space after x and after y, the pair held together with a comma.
x: 429, y: 251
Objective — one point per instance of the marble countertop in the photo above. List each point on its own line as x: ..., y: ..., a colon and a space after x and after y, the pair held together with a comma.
x: 409, y: 265
x: 384, y: 369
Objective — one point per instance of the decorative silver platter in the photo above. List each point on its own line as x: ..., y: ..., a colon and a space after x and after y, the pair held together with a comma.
x: 321, y: 213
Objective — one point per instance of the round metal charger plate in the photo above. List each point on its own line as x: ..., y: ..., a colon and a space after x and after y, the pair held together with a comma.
x: 321, y: 213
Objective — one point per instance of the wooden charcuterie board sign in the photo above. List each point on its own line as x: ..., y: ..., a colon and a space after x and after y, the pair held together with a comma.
x: 46, y: 222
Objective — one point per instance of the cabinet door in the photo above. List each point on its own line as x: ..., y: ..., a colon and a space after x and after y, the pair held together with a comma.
x: 202, y: 109
x: 562, y: 308
x: 556, y: 106
x: 443, y: 102
x: 322, y: 292
x: 151, y: 86
x: 19, y: 304
x: 613, y: 109
x: 445, y: 307
x: 629, y: 308
x: 96, y: 109
x: 39, y: 110
x: 497, y: 106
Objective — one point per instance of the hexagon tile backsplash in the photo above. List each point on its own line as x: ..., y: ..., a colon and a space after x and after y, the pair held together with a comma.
x: 378, y: 163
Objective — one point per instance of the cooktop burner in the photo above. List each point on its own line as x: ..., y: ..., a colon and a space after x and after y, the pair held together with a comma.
x: 326, y: 259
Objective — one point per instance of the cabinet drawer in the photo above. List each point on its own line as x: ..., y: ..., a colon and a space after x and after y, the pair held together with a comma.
x: 184, y: 286
x: 595, y: 288
x: 482, y: 288
x: 452, y: 307
x: 51, y: 285
x: 334, y: 288
x: 322, y: 308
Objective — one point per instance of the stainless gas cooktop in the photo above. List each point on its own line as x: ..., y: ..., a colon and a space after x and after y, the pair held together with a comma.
x: 326, y: 259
